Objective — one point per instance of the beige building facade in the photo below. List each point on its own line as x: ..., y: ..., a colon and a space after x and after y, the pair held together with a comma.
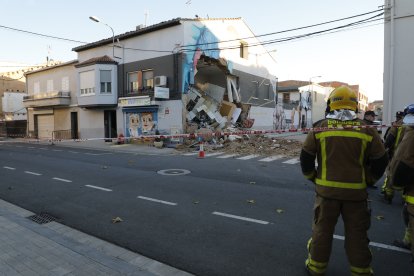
x: 51, y: 102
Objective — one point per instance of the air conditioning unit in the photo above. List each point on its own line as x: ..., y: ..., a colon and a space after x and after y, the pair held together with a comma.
x: 160, y: 81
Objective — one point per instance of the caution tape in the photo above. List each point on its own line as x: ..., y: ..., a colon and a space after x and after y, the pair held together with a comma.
x: 281, y: 133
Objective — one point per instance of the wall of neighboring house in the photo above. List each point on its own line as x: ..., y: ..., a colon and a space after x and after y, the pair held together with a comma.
x: 58, y: 76
x: 12, y: 106
x: 55, y: 79
x: 398, y: 57
x: 163, y: 42
x: 91, y: 124
x: 161, y: 66
x: 319, y: 96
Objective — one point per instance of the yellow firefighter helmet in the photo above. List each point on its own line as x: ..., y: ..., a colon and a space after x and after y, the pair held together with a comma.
x: 343, y: 97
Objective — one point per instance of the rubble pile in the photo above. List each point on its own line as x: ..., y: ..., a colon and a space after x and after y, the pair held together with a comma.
x: 262, y: 145
x: 246, y: 145
x: 211, y: 109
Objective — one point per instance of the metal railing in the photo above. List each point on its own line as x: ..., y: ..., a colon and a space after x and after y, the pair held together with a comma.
x: 63, y: 134
x: 47, y: 95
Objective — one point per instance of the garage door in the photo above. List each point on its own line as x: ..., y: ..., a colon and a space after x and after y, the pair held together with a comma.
x: 45, y: 126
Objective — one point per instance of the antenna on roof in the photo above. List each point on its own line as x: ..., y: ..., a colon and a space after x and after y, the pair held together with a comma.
x: 146, y: 17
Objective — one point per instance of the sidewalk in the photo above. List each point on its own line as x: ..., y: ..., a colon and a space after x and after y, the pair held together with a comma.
x: 29, y: 248
x: 109, y: 146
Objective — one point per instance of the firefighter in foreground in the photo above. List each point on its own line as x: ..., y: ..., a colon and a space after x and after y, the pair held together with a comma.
x: 401, y: 175
x: 342, y: 155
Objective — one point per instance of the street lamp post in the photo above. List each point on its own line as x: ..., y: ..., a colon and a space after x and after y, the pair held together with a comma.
x: 96, y: 19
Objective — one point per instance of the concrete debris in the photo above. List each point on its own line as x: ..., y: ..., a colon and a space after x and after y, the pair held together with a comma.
x: 246, y: 145
x: 207, y: 107
x: 117, y: 219
x: 212, y: 109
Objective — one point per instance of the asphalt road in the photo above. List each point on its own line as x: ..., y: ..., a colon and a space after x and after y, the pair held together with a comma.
x: 224, y: 217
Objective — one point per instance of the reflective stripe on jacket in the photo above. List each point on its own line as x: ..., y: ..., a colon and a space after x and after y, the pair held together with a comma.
x: 343, y: 156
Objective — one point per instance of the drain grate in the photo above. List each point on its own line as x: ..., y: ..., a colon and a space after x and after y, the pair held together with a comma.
x: 42, y: 218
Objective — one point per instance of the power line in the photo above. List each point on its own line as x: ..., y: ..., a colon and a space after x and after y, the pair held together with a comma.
x: 289, y: 30
x: 280, y: 40
x: 43, y: 35
x: 285, y: 39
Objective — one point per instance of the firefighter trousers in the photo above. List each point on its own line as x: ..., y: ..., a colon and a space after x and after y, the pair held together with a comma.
x: 410, y: 209
x: 357, y: 219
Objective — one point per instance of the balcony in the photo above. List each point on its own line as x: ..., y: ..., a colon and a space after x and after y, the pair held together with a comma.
x: 47, y: 99
x: 98, y: 99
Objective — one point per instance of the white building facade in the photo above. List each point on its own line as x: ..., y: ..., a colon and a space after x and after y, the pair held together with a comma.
x: 157, y: 66
x: 398, y: 57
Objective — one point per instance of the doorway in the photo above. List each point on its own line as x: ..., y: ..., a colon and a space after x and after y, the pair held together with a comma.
x: 110, y: 124
x: 74, y: 125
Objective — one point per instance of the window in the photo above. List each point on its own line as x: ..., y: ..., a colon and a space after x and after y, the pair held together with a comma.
x: 65, y: 84
x: 244, y: 50
x: 49, y: 86
x: 148, y: 79
x: 134, y: 81
x: 36, y: 88
x: 106, y: 83
x: 286, y: 97
x: 140, y: 80
x: 87, y: 83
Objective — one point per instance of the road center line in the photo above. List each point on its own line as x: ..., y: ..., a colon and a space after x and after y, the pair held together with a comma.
x: 33, y: 173
x: 9, y: 168
x: 157, y: 200
x: 380, y: 245
x: 240, y: 218
x: 99, y: 188
x: 61, y: 179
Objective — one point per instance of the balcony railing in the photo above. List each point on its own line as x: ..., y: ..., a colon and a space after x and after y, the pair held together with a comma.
x: 55, y: 98
x: 47, y: 95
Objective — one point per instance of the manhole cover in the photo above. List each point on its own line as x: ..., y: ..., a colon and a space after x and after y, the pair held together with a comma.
x: 42, y: 218
x: 173, y: 172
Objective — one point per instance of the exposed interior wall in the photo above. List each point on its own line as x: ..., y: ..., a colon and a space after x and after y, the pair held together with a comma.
x: 263, y: 117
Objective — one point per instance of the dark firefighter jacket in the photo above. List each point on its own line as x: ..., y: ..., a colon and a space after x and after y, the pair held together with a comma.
x: 402, y: 165
x: 343, y: 156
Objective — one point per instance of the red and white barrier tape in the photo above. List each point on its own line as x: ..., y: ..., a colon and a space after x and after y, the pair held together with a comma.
x: 213, y: 134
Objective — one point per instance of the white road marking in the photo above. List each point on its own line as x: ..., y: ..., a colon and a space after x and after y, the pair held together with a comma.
x: 292, y: 161
x: 57, y: 150
x: 380, y: 245
x: 240, y: 218
x: 213, y: 154
x: 271, y: 158
x: 61, y: 179
x: 33, y: 173
x: 190, y: 153
x: 31, y: 147
x: 19, y: 146
x: 227, y: 155
x: 43, y: 148
x: 157, y: 200
x: 9, y: 168
x: 71, y: 151
x: 248, y: 157
x: 99, y: 188
x: 88, y: 153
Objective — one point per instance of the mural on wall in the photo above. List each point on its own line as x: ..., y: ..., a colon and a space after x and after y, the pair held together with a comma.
x: 203, y: 43
x: 141, y: 123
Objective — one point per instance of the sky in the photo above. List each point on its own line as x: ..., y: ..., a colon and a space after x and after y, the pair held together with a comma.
x: 354, y: 56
